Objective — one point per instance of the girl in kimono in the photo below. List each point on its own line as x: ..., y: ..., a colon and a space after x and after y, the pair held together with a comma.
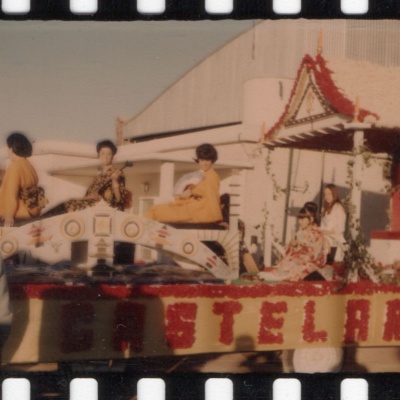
x: 20, y: 195
x: 306, y: 252
x: 108, y: 185
x: 199, y: 203
x: 333, y: 222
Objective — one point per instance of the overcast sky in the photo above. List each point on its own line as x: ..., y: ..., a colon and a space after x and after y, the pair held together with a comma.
x: 69, y: 80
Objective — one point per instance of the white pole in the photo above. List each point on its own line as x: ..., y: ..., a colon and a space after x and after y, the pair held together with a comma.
x: 355, y: 196
x: 269, y: 204
x: 167, y: 172
x: 358, y: 142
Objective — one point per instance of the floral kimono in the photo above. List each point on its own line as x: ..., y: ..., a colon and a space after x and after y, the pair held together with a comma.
x: 307, y: 256
x: 101, y: 185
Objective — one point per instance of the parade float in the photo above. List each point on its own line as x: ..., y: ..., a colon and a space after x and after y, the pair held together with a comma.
x: 101, y: 284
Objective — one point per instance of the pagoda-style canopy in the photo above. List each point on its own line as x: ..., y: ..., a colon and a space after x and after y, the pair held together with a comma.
x: 331, y: 99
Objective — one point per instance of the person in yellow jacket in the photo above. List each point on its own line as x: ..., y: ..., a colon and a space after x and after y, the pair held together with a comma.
x: 198, y: 203
x: 20, y: 195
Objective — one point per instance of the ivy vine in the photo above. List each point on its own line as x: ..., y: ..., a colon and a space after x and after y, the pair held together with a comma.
x: 358, y: 261
x: 277, y: 189
x: 277, y: 192
x: 359, y: 264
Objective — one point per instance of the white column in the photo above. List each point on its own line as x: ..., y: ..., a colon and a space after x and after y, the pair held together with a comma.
x: 358, y: 142
x: 269, y: 205
x: 268, y: 246
x: 236, y: 188
x: 355, y: 195
x: 167, y: 172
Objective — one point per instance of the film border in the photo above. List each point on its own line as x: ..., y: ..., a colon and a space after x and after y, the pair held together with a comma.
x: 182, y: 386
x: 122, y: 10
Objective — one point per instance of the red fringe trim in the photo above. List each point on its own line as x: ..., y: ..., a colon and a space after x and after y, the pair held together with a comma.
x: 218, y: 291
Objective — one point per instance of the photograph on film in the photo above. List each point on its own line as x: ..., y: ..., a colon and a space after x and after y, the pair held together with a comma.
x: 210, y: 196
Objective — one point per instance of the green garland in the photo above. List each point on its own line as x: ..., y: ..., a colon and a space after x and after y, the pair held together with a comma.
x: 277, y: 192
x: 357, y: 259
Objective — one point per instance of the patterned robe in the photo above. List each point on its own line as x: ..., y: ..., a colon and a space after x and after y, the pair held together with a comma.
x: 308, y: 256
x: 101, y: 185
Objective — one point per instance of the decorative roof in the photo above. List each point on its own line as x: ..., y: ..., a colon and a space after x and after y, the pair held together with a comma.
x: 211, y: 94
x: 329, y: 93
x: 376, y: 86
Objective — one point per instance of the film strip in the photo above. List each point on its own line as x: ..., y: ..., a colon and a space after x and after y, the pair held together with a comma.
x: 104, y: 10
x: 204, y: 387
x: 116, y: 330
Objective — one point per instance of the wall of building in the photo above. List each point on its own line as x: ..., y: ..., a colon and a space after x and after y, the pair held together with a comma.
x: 211, y: 93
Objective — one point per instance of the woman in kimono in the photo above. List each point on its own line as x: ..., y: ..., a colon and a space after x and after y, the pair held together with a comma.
x: 198, y: 203
x: 333, y: 222
x: 306, y: 253
x: 108, y: 185
x: 20, y: 195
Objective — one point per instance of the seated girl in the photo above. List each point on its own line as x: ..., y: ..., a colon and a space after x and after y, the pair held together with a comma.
x: 306, y: 253
x: 199, y: 203
x: 20, y: 195
x: 333, y: 222
x: 108, y: 185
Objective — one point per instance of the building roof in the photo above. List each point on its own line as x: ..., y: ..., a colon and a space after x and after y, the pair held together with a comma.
x: 211, y: 94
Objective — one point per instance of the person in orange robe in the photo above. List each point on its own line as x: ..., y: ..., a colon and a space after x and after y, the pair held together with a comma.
x: 198, y: 204
x: 20, y: 196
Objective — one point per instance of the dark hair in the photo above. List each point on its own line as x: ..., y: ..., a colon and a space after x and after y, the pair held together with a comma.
x: 312, y: 208
x: 107, y: 144
x: 206, y: 151
x: 327, y: 207
x: 310, y: 211
x: 19, y: 144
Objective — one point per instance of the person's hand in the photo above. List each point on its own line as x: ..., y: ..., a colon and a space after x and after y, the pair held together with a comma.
x: 8, y: 221
x: 186, y: 194
x: 115, y: 175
